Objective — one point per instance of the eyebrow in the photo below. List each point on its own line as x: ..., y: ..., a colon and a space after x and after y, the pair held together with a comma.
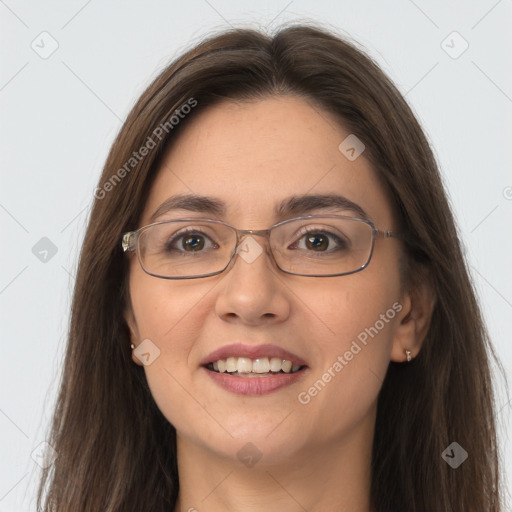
x: 292, y: 206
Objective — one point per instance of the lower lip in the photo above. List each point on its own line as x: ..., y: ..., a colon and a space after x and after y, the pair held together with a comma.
x: 254, y: 385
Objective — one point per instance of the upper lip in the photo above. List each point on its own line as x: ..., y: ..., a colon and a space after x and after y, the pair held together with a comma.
x: 251, y: 352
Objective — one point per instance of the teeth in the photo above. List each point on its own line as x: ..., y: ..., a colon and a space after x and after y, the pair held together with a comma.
x: 287, y: 366
x: 261, y: 365
x: 230, y: 364
x: 275, y: 364
x: 245, y: 365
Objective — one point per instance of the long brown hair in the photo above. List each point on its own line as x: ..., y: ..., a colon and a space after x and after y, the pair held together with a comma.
x: 115, y: 449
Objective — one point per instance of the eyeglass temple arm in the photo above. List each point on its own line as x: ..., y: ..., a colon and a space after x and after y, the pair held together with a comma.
x: 391, y: 234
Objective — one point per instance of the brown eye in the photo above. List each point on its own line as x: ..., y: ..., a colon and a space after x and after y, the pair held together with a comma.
x: 317, y: 241
x: 314, y: 240
x: 193, y: 242
x: 190, y: 241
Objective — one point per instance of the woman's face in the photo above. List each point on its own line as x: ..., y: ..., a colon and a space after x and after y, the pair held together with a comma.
x: 251, y: 157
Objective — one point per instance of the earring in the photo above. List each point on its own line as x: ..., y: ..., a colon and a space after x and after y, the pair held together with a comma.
x: 408, y: 355
x: 132, y: 346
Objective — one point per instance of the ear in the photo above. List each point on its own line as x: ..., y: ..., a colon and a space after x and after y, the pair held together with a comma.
x: 413, y: 320
x: 134, y: 332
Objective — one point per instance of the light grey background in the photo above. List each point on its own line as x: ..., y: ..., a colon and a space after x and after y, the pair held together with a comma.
x: 59, y: 116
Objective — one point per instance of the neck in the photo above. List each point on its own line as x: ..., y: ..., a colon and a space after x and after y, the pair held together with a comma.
x: 335, y: 476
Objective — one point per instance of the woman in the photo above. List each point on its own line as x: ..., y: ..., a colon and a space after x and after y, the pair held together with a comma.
x: 272, y: 310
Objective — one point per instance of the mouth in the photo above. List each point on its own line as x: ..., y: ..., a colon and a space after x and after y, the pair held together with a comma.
x: 259, y: 367
x: 253, y: 370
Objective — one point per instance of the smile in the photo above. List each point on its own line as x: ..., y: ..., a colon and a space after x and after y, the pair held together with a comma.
x: 260, y: 367
x: 247, y: 369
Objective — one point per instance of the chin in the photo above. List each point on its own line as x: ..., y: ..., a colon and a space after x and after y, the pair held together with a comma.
x: 262, y: 441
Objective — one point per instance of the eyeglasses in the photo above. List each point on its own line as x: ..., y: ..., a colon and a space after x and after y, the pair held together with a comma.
x: 312, y: 246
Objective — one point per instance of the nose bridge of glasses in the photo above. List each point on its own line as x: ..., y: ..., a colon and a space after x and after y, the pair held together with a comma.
x: 242, y: 233
x: 248, y: 248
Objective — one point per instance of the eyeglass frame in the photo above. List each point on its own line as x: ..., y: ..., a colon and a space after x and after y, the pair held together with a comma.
x: 129, y: 242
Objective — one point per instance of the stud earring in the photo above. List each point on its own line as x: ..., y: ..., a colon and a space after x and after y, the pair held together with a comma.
x: 132, y: 346
x: 408, y: 355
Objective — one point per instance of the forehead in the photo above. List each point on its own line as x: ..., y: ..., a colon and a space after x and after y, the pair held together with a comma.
x: 252, y: 155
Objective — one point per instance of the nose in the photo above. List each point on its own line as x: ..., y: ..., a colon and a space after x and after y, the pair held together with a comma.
x: 253, y: 290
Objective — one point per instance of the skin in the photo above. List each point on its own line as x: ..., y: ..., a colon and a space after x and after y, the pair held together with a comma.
x: 315, y: 456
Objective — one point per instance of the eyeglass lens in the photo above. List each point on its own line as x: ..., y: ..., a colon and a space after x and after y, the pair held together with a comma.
x: 319, y: 246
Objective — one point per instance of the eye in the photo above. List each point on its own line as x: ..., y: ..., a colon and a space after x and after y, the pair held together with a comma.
x: 189, y: 240
x: 319, y: 240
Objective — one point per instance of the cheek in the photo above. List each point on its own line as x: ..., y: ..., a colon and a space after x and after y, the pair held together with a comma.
x: 169, y: 314
x: 173, y: 315
x: 163, y: 310
x: 357, y: 315
x: 346, y: 307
